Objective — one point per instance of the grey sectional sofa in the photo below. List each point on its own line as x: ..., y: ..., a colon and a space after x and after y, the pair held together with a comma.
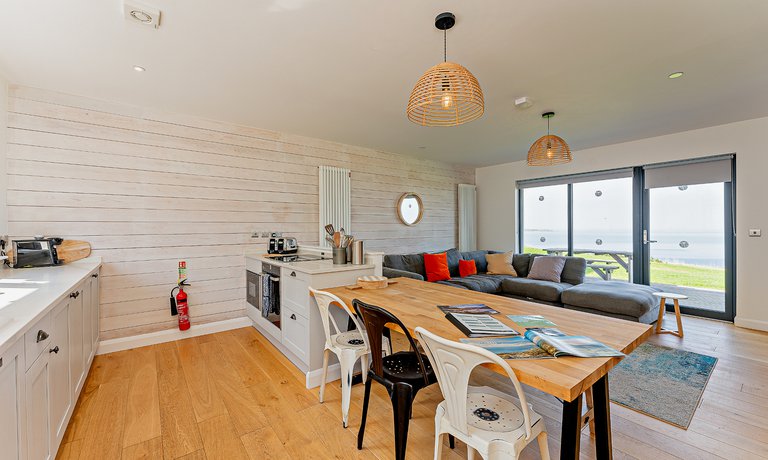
x: 616, y: 299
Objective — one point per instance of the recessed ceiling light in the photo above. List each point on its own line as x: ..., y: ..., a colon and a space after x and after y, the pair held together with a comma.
x: 139, y: 68
x: 674, y: 75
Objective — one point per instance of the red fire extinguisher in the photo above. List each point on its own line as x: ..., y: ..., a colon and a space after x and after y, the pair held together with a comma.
x: 180, y: 307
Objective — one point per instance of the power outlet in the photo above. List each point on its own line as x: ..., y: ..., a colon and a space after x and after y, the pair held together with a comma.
x: 755, y: 232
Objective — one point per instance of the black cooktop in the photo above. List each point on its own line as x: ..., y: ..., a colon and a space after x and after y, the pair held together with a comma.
x: 296, y: 258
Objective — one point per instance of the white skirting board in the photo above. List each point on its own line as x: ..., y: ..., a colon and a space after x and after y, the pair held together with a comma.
x: 152, y: 338
x: 751, y: 324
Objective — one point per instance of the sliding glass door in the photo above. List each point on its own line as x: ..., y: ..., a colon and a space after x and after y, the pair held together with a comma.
x: 669, y: 226
x: 688, y: 238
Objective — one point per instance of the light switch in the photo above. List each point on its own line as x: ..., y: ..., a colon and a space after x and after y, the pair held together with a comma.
x: 754, y: 232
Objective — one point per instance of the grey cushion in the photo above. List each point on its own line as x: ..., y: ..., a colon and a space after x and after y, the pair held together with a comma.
x: 479, y: 257
x: 647, y: 318
x: 547, y: 268
x: 453, y: 256
x: 395, y: 273
x: 547, y: 291
x: 574, y: 271
x: 490, y: 284
x: 406, y: 262
x: 520, y: 263
x: 614, y: 297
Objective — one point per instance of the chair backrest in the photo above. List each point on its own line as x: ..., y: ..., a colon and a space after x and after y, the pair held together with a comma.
x: 324, y: 301
x: 453, y: 363
x: 375, y: 320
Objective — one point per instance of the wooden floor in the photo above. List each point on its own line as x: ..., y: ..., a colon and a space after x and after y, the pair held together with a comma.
x: 231, y: 395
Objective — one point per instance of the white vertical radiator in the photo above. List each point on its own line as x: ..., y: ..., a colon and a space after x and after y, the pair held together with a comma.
x: 467, y: 217
x: 335, y: 200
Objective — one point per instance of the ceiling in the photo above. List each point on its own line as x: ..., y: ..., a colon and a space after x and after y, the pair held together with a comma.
x: 342, y: 70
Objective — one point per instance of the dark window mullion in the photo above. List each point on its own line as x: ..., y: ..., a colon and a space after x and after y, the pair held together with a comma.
x: 570, y: 219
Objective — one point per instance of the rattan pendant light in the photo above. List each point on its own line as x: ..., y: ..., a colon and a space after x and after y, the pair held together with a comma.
x: 447, y: 94
x: 550, y: 149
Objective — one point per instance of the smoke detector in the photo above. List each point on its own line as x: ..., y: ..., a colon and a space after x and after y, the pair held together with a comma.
x: 140, y: 13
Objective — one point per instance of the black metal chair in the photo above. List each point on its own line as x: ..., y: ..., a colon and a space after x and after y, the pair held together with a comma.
x: 403, y: 373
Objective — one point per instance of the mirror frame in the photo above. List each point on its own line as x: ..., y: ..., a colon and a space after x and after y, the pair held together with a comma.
x: 400, y: 203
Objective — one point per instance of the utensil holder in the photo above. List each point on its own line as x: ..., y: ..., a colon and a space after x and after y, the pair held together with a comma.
x: 339, y: 256
x: 358, y: 256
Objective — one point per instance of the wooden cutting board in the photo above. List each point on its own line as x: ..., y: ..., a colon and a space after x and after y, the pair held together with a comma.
x: 67, y: 251
x: 72, y: 250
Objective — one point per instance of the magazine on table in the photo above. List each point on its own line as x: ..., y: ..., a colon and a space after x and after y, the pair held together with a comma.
x: 531, y: 321
x: 545, y: 343
x: 473, y: 325
x: 468, y: 308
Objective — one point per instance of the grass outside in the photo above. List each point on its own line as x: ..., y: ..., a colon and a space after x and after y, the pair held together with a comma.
x: 663, y: 272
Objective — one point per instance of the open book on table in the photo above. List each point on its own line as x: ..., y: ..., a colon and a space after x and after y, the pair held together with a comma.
x: 538, y: 343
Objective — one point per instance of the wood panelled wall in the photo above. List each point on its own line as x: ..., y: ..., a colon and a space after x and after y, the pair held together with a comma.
x: 148, y: 189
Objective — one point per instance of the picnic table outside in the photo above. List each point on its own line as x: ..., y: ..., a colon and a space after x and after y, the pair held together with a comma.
x: 604, y: 268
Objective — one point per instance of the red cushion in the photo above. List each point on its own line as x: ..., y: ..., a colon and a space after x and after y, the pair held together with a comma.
x: 467, y: 267
x: 436, y: 266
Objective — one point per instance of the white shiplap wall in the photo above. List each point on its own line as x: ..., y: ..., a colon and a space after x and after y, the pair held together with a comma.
x: 148, y: 189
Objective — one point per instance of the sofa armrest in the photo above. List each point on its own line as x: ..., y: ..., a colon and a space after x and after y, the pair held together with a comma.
x: 395, y: 273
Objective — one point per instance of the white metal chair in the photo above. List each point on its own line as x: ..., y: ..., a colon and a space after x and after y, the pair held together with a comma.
x: 347, y: 346
x: 489, y: 421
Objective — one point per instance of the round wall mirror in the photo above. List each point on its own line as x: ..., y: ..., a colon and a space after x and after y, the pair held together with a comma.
x: 410, y: 208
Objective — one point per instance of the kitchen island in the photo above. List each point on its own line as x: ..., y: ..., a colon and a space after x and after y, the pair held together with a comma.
x: 296, y: 328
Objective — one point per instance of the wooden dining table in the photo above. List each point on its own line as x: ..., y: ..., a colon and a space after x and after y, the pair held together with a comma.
x: 567, y: 378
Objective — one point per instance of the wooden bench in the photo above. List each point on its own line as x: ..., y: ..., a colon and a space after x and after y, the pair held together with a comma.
x: 604, y: 269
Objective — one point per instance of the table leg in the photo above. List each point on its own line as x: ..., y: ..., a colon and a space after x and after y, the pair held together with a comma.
x: 570, y: 437
x: 679, y: 319
x: 602, y: 407
x: 662, y: 310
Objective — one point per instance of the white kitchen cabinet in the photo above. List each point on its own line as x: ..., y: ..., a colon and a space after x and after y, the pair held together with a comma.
x: 59, y: 384
x: 95, y: 298
x: 44, y: 365
x: 78, y: 351
x: 12, y: 402
x: 38, y: 426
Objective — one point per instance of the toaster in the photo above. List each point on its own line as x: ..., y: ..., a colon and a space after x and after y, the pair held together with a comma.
x: 36, y: 253
x: 287, y: 245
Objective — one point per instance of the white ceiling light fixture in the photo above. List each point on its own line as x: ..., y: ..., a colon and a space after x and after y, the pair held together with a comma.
x: 142, y: 14
x: 139, y: 68
x: 674, y: 75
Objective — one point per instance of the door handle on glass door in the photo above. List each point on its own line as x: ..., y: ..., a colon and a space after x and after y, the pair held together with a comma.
x: 645, y: 238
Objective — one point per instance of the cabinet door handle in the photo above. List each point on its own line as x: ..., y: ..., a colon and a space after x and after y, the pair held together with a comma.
x: 54, y: 350
x: 1, y: 362
x: 41, y: 335
x: 293, y: 273
x: 95, y: 275
x: 293, y: 316
x: 73, y: 295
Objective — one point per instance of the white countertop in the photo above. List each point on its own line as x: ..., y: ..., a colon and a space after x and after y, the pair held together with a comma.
x: 27, y: 294
x: 312, y: 267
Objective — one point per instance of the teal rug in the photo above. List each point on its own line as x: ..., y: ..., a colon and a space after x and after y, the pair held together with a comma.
x: 663, y: 383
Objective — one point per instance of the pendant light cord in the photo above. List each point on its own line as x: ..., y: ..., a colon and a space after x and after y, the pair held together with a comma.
x: 445, y: 45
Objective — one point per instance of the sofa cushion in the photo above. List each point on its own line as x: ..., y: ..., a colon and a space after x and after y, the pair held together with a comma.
x: 453, y: 256
x: 574, y: 270
x: 520, y: 262
x: 490, y: 284
x: 615, y: 297
x: 467, y: 268
x: 547, y: 268
x: 479, y: 257
x: 547, y: 291
x: 500, y: 264
x: 573, y: 273
x: 406, y: 262
x: 436, y: 266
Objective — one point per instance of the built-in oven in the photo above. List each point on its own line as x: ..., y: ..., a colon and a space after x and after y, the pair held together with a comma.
x: 263, y: 293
